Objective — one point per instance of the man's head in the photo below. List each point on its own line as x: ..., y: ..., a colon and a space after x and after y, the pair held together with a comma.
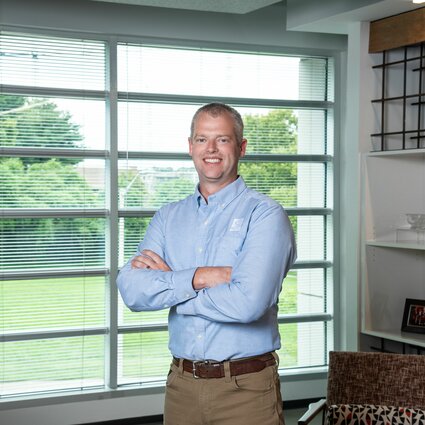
x: 216, y: 143
x: 215, y: 109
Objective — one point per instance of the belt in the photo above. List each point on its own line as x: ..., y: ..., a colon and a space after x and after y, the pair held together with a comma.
x: 212, y: 369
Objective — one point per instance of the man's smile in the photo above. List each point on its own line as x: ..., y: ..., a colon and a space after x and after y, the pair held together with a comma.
x: 212, y: 160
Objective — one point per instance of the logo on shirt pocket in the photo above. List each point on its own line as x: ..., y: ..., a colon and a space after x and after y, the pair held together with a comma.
x: 236, y: 225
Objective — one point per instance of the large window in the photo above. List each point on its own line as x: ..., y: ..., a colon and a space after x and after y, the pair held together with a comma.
x: 93, y: 140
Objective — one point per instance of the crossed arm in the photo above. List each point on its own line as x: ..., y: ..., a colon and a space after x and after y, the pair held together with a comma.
x: 240, y: 293
x: 204, y: 277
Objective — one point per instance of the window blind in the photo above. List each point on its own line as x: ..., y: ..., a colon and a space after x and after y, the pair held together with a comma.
x: 59, y: 242
x: 52, y: 62
x: 53, y: 265
x: 202, y: 72
x: 286, y: 103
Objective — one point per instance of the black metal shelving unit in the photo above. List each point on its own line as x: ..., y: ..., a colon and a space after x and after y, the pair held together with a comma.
x: 408, y: 136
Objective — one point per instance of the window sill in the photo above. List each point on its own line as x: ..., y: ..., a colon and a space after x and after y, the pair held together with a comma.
x: 157, y: 387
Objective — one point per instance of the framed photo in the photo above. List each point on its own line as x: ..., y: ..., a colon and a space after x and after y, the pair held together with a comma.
x: 414, y: 316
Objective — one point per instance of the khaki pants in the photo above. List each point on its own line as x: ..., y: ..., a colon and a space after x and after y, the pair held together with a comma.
x: 250, y: 399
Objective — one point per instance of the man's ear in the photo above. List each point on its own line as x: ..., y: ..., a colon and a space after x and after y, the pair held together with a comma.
x: 243, y: 148
x: 189, y: 139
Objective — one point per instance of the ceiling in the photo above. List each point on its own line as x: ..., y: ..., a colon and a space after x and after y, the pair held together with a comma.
x: 333, y: 16
x: 224, y: 6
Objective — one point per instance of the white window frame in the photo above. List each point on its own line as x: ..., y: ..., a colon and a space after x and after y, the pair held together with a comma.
x: 112, y: 212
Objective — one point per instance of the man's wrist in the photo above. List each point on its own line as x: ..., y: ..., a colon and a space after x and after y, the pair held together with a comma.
x: 207, y: 277
x: 198, y: 281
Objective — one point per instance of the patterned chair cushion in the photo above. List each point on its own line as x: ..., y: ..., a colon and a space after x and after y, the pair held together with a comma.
x: 368, y: 414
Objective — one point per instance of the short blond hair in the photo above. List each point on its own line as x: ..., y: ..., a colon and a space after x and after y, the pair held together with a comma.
x: 215, y: 109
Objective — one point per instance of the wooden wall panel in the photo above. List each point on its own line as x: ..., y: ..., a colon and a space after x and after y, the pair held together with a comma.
x: 397, y: 31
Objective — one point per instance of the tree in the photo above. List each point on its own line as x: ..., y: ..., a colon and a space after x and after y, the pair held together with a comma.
x: 40, y: 182
x: 170, y: 188
x: 43, y: 182
x: 49, y: 184
x: 132, y: 189
x: 37, y: 122
x: 273, y: 133
x: 8, y: 122
x: 8, y: 103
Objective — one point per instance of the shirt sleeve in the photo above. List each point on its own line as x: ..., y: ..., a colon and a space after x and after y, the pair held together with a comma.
x: 266, y: 256
x: 145, y: 289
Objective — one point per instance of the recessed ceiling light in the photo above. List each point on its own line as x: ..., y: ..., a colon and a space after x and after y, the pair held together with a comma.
x: 418, y: 1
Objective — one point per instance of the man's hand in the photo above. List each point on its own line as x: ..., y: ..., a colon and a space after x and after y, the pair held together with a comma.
x: 208, y: 277
x: 149, y: 260
x: 204, y: 277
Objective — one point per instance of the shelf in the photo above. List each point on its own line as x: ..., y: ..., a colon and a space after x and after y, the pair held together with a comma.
x: 397, y: 245
x: 392, y: 260
x: 398, y: 152
x: 398, y: 336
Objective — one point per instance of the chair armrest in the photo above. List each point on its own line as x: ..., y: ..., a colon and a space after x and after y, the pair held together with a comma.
x: 313, y: 410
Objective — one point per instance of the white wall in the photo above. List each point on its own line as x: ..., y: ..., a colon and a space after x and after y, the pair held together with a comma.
x: 69, y: 411
x: 307, y: 12
x: 263, y: 28
x: 355, y: 139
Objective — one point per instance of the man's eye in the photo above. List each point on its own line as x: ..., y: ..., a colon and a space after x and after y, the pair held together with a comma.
x: 200, y: 140
x: 223, y: 140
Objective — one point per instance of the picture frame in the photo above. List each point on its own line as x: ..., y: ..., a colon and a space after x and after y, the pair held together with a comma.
x: 414, y: 316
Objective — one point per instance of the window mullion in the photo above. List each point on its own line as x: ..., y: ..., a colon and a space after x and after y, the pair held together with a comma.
x: 111, y: 345
x: 239, y: 101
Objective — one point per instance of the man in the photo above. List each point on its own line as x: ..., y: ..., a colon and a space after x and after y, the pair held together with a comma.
x: 217, y: 259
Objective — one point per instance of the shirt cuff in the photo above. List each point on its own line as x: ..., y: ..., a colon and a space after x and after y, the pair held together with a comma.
x: 186, y: 308
x: 182, y: 284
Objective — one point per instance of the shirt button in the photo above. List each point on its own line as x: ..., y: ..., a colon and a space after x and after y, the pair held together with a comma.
x: 166, y: 306
x: 199, y: 336
x: 200, y: 249
x: 205, y: 222
x: 187, y: 295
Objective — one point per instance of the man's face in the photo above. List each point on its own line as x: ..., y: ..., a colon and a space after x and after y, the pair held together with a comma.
x: 215, y: 151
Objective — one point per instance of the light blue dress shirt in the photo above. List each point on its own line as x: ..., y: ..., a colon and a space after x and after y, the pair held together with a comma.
x: 238, y: 227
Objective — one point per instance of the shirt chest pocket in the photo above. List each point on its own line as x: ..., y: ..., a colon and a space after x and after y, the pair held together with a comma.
x: 227, y: 248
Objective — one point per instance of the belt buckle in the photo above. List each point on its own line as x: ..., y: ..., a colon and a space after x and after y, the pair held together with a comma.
x: 196, y: 362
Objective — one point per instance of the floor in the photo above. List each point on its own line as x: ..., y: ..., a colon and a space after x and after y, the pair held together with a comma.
x: 291, y: 417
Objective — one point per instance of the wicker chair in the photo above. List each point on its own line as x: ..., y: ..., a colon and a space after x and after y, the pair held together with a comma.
x: 357, y: 378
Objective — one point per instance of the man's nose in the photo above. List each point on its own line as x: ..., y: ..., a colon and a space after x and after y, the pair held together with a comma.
x: 212, y: 145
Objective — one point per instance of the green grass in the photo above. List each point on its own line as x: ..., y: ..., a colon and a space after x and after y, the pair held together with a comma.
x: 52, y: 303
x: 288, y: 354
x: 56, y: 359
x: 40, y: 304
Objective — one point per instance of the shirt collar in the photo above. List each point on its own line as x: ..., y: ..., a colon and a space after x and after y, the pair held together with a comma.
x: 224, y: 196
